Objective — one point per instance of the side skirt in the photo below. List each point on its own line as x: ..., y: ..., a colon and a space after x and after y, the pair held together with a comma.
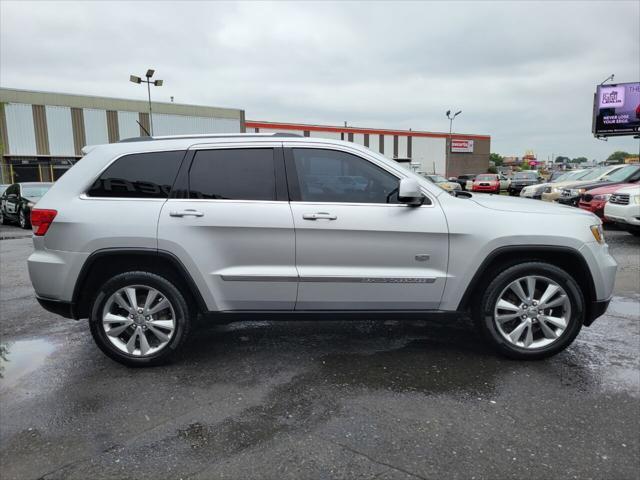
x: 329, y: 315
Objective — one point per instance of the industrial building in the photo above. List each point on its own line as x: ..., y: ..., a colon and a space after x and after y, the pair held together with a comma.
x: 43, y: 133
x: 428, y: 152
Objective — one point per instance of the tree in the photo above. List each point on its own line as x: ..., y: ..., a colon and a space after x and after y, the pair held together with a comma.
x: 492, y: 170
x: 579, y: 160
x: 618, y: 157
x: 496, y: 158
x: 560, y: 159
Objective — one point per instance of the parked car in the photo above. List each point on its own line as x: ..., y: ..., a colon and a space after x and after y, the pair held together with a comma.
x: 463, y: 180
x: 594, y: 200
x: 523, y: 179
x: 17, y: 201
x: 443, y: 182
x: 623, y: 208
x: 486, y: 182
x: 553, y: 193
x: 505, y: 181
x: 571, y: 193
x: 144, y: 237
x: 536, y: 191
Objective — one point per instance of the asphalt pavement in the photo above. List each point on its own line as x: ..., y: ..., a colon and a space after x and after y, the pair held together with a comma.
x: 297, y: 400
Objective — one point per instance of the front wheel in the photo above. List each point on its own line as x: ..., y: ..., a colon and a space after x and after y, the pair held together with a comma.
x: 23, y: 219
x: 140, y: 319
x: 3, y: 219
x: 531, y: 311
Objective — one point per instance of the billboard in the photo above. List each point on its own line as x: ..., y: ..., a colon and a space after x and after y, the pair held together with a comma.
x: 616, y: 110
x: 461, y: 146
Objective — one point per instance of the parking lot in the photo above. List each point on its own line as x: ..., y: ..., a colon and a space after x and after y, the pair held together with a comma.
x: 298, y: 400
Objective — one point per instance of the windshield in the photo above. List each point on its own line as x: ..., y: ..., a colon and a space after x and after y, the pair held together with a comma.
x: 622, y: 174
x: 36, y: 191
x: 595, y: 173
x: 437, y: 178
x: 525, y: 175
x: 486, y: 177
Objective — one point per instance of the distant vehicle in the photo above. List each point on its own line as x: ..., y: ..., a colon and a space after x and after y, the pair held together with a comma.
x: 536, y: 191
x: 443, y: 182
x: 463, y: 179
x: 623, y: 208
x: 594, y: 200
x: 505, y: 181
x: 592, y: 174
x: 523, y: 179
x: 486, y: 182
x: 18, y: 199
x: 570, y: 194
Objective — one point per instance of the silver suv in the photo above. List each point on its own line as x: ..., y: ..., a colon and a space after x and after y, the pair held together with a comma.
x: 144, y: 237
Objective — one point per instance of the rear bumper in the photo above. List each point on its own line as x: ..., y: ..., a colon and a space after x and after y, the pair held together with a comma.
x: 59, y: 307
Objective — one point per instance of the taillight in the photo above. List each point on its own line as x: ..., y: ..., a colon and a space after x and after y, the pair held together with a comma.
x: 41, y: 220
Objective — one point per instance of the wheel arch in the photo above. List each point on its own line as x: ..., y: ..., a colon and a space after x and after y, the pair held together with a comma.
x: 566, y: 258
x: 104, y: 264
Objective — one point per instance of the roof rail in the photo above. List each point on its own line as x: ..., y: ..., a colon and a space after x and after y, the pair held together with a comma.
x: 207, y: 135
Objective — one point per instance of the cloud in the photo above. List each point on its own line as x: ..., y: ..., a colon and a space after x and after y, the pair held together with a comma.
x: 523, y: 72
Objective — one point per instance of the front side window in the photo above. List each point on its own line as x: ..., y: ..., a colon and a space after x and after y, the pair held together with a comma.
x: 140, y: 175
x: 233, y: 174
x: 333, y: 176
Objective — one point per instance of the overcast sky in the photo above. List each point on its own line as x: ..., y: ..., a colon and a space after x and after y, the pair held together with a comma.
x: 524, y: 73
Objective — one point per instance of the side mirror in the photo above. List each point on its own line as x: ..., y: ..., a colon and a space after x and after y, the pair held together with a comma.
x: 409, y: 192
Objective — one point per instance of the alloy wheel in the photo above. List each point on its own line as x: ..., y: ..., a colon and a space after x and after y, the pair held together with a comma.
x: 139, y: 320
x: 532, y: 312
x: 22, y: 219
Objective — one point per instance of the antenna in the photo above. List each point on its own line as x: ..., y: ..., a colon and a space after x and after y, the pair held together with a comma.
x: 145, y: 130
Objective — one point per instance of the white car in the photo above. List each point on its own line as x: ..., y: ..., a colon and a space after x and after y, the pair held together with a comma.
x: 143, y: 237
x: 623, y: 208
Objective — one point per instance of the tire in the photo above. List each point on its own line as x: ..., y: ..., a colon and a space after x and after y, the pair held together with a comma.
x: 635, y: 233
x: 485, y: 312
x: 3, y: 220
x: 115, y: 347
x: 23, y: 220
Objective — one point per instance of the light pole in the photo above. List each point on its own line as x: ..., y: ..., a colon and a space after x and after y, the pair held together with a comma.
x: 149, y: 82
x: 451, y: 119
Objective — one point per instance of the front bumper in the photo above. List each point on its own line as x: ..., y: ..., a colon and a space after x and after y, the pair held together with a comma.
x: 550, y: 196
x: 595, y: 207
x: 571, y: 201
x: 623, y: 214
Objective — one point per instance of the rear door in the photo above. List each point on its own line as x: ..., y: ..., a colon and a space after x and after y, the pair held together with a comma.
x: 357, y: 247
x: 230, y: 224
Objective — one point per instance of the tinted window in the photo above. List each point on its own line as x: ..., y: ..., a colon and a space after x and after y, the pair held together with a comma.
x: 141, y: 175
x: 331, y: 176
x: 622, y: 174
x: 238, y: 174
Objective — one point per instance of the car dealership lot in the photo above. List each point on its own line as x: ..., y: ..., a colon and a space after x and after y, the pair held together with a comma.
x: 318, y: 400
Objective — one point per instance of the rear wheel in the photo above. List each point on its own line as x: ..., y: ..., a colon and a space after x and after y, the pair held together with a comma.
x: 23, y: 219
x: 3, y: 219
x: 140, y: 319
x: 530, y: 311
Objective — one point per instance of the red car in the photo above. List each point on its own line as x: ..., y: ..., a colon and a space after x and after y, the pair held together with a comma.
x: 594, y: 200
x: 486, y: 182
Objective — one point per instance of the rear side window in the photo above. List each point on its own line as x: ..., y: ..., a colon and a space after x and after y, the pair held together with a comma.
x: 140, y: 175
x: 234, y: 174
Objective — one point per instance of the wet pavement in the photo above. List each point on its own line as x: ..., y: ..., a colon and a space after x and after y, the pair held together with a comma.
x: 392, y: 400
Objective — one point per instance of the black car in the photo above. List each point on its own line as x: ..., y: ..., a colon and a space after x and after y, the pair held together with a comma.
x: 17, y: 200
x: 571, y: 195
x: 462, y: 179
x: 523, y: 179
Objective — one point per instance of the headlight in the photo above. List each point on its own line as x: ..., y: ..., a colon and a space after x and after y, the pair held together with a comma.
x: 556, y: 189
x: 636, y: 199
x: 598, y: 233
x: 577, y: 191
x: 602, y: 198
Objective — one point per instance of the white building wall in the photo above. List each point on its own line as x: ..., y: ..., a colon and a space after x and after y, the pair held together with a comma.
x: 403, y: 143
x: 358, y: 138
x: 331, y: 135
x: 388, y: 146
x: 374, y: 142
x: 166, y: 124
x: 20, y: 130
x: 95, y: 126
x: 430, y: 153
x: 127, y: 125
x: 59, y: 130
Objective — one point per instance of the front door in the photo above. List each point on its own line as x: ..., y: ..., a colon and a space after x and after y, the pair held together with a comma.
x: 357, y: 247
x: 234, y: 229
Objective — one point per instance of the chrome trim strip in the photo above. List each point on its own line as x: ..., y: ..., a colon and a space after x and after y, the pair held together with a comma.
x: 326, y: 279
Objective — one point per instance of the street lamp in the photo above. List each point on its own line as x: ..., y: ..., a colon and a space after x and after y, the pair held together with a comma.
x: 451, y: 119
x: 149, y: 82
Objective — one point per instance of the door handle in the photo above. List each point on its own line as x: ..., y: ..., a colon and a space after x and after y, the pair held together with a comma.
x: 189, y: 212
x: 319, y: 216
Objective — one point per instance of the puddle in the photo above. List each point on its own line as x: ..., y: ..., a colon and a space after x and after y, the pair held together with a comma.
x: 20, y: 358
x: 625, y: 307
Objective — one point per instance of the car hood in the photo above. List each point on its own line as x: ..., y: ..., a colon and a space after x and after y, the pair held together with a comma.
x: 610, y: 188
x: 524, y: 205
